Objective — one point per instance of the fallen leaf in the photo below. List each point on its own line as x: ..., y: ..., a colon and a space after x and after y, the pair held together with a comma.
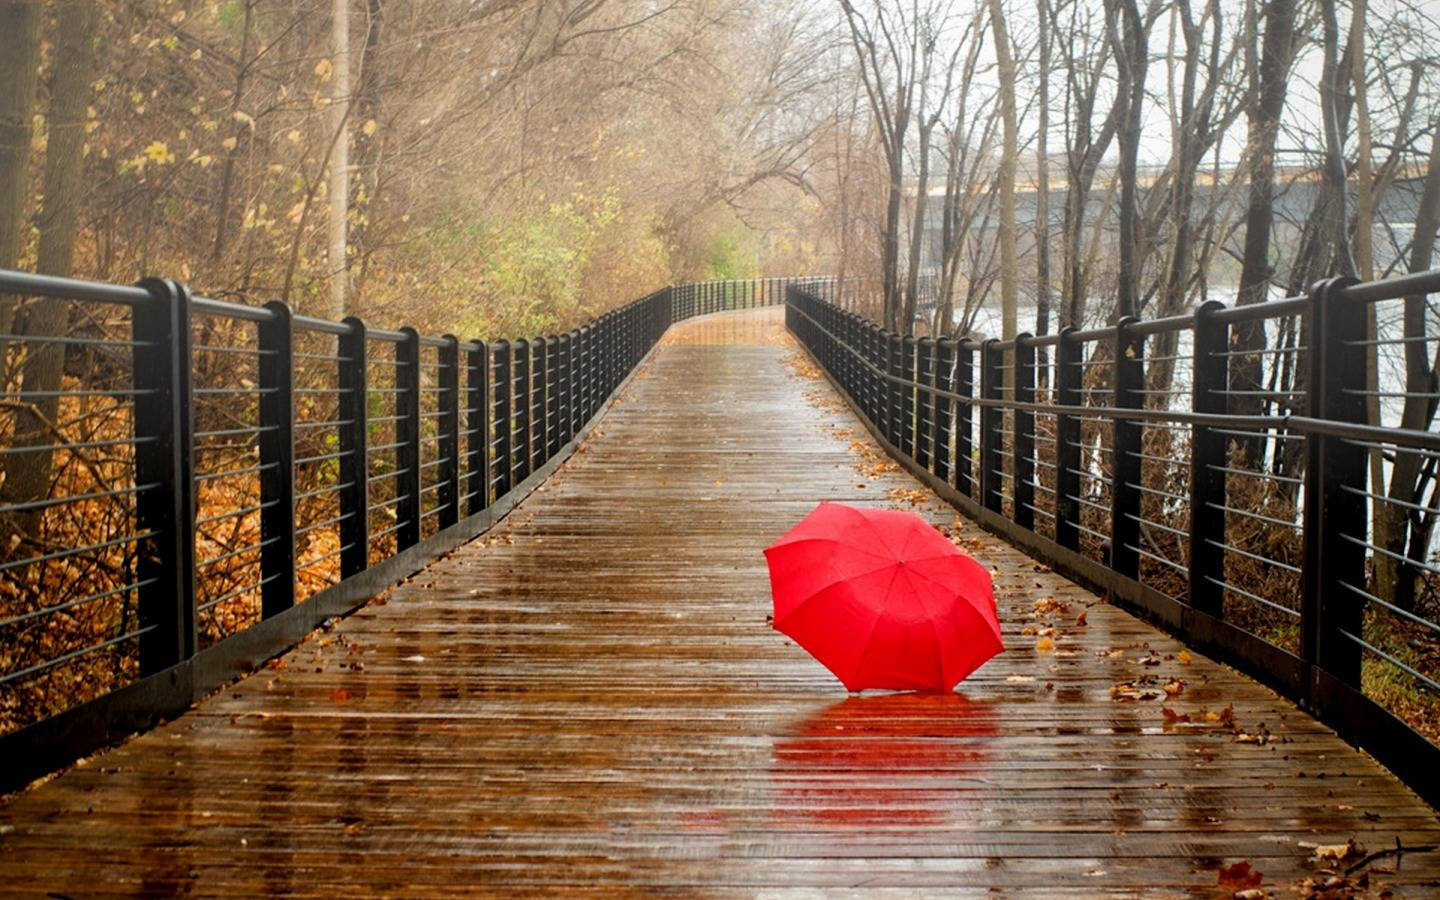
x: 276, y: 663
x: 1184, y: 656
x: 1174, y: 687
x: 1240, y: 877
x: 1045, y: 644
x: 1339, y: 852
x: 1080, y: 619
x: 1048, y: 605
x: 340, y: 695
x: 1171, y: 716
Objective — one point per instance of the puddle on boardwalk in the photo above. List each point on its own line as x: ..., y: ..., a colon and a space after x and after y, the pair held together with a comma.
x: 893, y: 759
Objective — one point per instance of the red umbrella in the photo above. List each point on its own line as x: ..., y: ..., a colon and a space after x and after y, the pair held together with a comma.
x: 882, y: 599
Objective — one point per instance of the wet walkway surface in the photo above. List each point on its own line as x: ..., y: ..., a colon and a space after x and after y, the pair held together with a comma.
x: 591, y: 696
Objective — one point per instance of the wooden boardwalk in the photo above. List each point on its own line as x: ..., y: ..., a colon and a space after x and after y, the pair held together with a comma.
x: 591, y: 696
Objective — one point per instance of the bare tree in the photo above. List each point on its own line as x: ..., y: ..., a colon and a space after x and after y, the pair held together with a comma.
x: 1009, y: 153
x: 27, y: 475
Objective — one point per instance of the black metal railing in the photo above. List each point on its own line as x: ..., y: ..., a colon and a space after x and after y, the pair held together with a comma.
x: 190, y: 486
x: 1223, y: 472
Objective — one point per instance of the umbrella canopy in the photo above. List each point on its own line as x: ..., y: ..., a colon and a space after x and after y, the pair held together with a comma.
x: 882, y: 599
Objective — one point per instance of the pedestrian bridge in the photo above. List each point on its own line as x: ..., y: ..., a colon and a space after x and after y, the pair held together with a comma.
x: 583, y: 690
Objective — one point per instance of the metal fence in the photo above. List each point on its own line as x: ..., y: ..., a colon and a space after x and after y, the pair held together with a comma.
x: 191, y: 486
x: 1239, y: 475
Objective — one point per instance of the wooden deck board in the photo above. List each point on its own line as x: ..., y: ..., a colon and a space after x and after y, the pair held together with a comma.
x: 591, y: 696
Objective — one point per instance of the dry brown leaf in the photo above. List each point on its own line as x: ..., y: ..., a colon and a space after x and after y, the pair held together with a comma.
x: 1239, y: 877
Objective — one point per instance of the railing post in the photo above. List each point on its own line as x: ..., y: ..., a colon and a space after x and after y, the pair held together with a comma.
x: 552, y: 397
x: 583, y: 352
x: 354, y: 409
x: 407, y: 435
x: 164, y: 458
x: 944, y: 381
x: 504, y: 419
x: 477, y: 421
x: 1209, y: 380
x: 535, y: 436
x: 874, y: 384
x: 1336, y: 517
x: 277, y: 460
x: 607, y: 358
x: 965, y: 480
x: 925, y: 405
x: 1129, y: 379
x: 448, y: 446
x: 1068, y: 374
x: 520, y: 410
x: 566, y: 395
x: 894, y: 347
x: 850, y: 342
x: 991, y: 421
x: 599, y: 337
x: 908, y: 430
x: 1022, y: 460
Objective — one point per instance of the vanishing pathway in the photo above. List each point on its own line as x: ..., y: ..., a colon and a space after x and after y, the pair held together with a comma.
x: 591, y: 696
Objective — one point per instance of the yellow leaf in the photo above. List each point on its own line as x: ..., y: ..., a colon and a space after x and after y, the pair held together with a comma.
x: 229, y: 143
x: 244, y: 119
x: 195, y: 54
x: 1045, y: 644
x: 293, y: 136
x: 323, y: 69
x: 369, y: 127
x: 159, y: 154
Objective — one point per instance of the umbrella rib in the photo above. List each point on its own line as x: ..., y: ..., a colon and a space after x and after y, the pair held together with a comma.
x: 939, y: 652
x: 879, y: 535
x: 875, y: 623
x: 934, y: 581
x: 930, y: 618
x: 828, y: 540
x: 839, y: 579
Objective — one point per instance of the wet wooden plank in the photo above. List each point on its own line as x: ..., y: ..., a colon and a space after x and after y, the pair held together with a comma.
x: 591, y: 696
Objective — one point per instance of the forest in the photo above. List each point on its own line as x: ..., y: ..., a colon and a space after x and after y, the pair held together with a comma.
x: 516, y: 167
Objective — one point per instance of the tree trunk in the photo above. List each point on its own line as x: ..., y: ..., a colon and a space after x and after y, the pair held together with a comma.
x: 1009, y: 272
x: 917, y: 229
x: 1422, y: 379
x: 27, y: 475
x: 890, y: 260
x: 1267, y: 103
x: 1131, y: 39
x: 19, y: 62
x: 232, y: 155
x: 1042, y: 185
x: 339, y: 189
x: 368, y: 147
